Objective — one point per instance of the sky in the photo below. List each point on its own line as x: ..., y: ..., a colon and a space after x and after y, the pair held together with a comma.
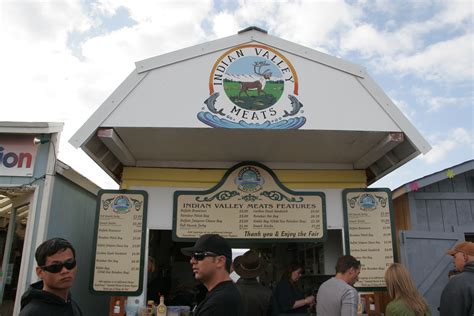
x: 61, y: 59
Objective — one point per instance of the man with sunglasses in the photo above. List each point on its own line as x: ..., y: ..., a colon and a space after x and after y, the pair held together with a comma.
x: 211, y: 259
x: 56, y: 259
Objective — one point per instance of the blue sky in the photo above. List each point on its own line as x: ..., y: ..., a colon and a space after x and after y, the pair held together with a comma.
x: 61, y: 59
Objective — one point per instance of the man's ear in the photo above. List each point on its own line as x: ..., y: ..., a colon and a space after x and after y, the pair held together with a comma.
x: 222, y: 260
x: 39, y: 272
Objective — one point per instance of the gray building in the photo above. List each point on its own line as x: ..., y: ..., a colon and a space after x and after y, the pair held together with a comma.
x: 432, y: 214
x: 40, y: 198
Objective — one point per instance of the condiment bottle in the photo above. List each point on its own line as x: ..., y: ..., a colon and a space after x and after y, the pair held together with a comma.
x: 150, y: 308
x: 161, y: 309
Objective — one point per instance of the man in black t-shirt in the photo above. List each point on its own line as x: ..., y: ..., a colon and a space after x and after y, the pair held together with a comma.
x: 211, y: 258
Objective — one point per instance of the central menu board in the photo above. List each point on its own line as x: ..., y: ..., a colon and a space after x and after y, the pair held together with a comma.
x: 250, y: 203
x: 368, y: 218
x: 120, y: 235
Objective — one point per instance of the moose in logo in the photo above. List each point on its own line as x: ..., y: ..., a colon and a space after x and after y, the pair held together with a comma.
x: 258, y: 85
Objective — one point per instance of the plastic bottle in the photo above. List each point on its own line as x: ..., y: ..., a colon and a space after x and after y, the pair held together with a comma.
x: 117, y: 308
x: 161, y: 310
x: 150, y: 308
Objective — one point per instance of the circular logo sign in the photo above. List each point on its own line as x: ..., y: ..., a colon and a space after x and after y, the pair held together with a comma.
x: 253, y: 86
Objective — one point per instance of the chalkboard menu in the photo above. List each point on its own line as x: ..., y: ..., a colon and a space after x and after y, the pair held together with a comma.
x: 250, y: 203
x: 369, y: 233
x: 120, y: 234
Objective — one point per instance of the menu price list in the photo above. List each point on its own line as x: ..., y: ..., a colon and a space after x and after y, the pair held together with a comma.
x: 251, y: 220
x: 118, y: 252
x: 370, y: 241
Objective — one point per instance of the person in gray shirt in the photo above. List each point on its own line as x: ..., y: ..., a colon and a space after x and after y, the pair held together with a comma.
x: 337, y: 296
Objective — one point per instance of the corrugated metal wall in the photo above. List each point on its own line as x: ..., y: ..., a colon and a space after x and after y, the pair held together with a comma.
x: 72, y: 217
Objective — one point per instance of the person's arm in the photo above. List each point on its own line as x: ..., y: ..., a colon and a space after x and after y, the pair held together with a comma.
x: 303, y: 302
x: 349, y: 303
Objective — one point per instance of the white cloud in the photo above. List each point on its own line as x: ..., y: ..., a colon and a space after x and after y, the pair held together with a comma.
x: 449, y: 60
x: 443, y: 145
x: 368, y: 41
x: 224, y: 24
x: 433, y: 103
x: 314, y: 23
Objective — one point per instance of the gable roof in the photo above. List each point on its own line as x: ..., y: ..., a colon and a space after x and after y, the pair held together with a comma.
x: 348, y: 111
x: 433, y: 178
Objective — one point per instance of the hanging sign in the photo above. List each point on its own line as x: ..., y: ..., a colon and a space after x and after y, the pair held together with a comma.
x: 369, y: 233
x: 17, y: 155
x: 250, y: 203
x: 119, y: 240
x: 253, y: 86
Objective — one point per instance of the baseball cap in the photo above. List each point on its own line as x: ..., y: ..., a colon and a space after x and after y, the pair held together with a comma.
x: 210, y: 242
x: 465, y: 247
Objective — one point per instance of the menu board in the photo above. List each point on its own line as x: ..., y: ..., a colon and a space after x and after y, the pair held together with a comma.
x: 250, y: 203
x: 119, y: 240
x: 369, y: 233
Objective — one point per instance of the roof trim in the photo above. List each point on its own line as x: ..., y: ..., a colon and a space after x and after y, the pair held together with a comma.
x: 72, y: 175
x: 252, y: 35
x: 87, y: 130
x: 379, y: 96
x: 250, y: 28
x: 30, y: 127
x: 433, y: 178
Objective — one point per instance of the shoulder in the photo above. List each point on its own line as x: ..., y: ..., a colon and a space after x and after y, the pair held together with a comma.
x: 455, y: 284
x: 398, y: 308
x: 227, y: 291
x: 224, y: 300
x: 35, y: 309
x: 76, y: 309
x: 349, y: 294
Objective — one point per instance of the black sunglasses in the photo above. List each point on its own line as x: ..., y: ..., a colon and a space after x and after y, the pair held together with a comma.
x: 57, y: 267
x: 201, y: 255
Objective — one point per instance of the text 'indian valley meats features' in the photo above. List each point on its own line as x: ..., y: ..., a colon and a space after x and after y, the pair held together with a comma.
x: 119, y: 241
x: 370, y: 235
x: 253, y: 86
x: 252, y: 206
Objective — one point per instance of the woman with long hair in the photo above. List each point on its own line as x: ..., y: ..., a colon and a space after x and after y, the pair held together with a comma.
x: 287, y: 298
x: 406, y: 301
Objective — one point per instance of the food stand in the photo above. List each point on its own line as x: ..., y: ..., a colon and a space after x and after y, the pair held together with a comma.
x: 256, y: 138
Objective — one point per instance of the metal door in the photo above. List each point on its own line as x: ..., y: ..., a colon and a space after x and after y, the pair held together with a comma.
x: 424, y: 255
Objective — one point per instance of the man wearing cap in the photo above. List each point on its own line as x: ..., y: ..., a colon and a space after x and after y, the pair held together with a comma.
x: 457, y: 298
x: 255, y: 297
x: 211, y: 258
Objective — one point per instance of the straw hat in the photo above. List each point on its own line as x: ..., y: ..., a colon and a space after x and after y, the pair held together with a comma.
x: 249, y: 265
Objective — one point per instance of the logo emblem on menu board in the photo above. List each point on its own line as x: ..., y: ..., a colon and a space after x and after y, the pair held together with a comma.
x: 367, y: 202
x: 253, y: 86
x: 121, y: 204
x: 249, y: 180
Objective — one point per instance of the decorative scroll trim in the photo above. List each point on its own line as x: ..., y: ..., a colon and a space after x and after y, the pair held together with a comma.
x: 277, y: 196
x: 220, y: 196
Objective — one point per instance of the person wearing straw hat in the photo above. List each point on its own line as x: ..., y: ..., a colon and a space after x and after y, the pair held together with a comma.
x: 255, y: 297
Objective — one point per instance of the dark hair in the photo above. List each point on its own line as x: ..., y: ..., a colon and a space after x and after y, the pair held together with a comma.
x: 290, y: 269
x: 51, y: 247
x: 346, y: 262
